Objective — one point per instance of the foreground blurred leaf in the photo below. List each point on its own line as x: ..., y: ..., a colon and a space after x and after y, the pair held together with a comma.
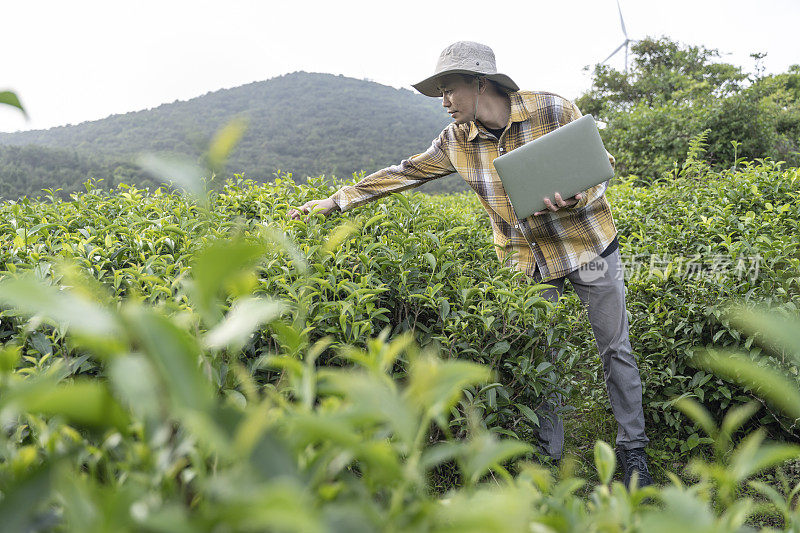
x: 136, y: 383
x: 305, y: 429
x: 436, y: 385
x: 280, y: 240
x: 178, y: 170
x: 245, y: 315
x: 752, y: 456
x: 734, y: 419
x: 223, y: 143
x: 338, y: 236
x: 698, y: 414
x: 214, y: 267
x: 279, y: 505
x: 24, y: 499
x: 9, y: 358
x: 10, y: 98
x: 485, y: 452
x: 83, y: 403
x: 175, y: 356
x: 686, y: 510
x: 775, y: 331
x: 62, y: 307
x: 605, y: 461
x: 489, y: 510
x: 269, y: 456
x: 765, y: 382
x: 377, y: 400
x: 439, y: 453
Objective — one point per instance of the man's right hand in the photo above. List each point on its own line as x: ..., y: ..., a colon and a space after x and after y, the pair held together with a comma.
x: 319, y: 206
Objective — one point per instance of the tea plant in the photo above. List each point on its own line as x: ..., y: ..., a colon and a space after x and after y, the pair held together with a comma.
x: 155, y: 441
x: 400, y: 265
x: 163, y: 440
x: 403, y: 265
x: 693, y: 242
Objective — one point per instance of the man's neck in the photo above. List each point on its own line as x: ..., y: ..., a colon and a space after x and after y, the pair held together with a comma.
x: 494, y: 111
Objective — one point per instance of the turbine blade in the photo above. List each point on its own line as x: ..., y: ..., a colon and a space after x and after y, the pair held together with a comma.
x: 612, y: 53
x: 621, y: 20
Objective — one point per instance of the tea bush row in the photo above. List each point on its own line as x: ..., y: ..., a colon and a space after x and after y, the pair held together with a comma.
x: 150, y: 444
x: 695, y: 241
x: 427, y: 264
x: 399, y: 265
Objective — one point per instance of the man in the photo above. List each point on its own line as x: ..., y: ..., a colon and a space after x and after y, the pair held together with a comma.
x: 575, y: 238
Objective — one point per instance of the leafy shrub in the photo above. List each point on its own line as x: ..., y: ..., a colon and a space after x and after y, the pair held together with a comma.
x: 400, y: 266
x: 673, y: 92
x: 151, y: 444
x: 692, y: 242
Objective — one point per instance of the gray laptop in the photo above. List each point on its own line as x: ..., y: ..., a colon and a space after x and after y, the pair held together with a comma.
x: 569, y: 160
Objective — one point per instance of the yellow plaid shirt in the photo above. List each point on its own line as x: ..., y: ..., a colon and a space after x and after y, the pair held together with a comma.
x: 558, y: 242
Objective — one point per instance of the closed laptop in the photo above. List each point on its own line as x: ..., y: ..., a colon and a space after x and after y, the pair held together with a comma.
x: 567, y: 160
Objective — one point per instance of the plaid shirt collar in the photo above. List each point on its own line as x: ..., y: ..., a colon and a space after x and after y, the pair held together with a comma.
x: 519, y: 113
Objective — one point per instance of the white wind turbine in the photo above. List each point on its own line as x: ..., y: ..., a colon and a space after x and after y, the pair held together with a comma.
x: 625, y: 43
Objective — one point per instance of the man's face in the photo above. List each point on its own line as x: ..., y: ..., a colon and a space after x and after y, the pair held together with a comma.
x: 458, y: 97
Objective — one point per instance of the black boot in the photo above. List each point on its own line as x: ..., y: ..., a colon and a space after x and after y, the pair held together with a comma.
x: 631, y: 461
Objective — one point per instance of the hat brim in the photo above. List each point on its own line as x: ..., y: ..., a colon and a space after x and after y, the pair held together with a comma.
x: 428, y: 86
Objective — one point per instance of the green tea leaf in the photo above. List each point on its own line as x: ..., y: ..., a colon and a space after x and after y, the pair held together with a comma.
x: 174, y: 355
x: 280, y: 240
x: 84, y: 403
x: 62, y: 307
x: 9, y: 358
x: 178, y: 170
x: 214, y: 267
x: 530, y: 415
x: 134, y: 380
x: 25, y: 498
x: 765, y: 382
x: 224, y: 141
x: 769, y: 492
x: 338, y: 236
x: 441, y: 452
x: 698, y: 414
x: 11, y: 99
x: 245, y: 315
x: 752, y: 457
x: 279, y: 505
x: 604, y: 461
x: 485, y: 452
x: 435, y: 385
x: 735, y: 418
x: 774, y: 330
x: 377, y: 400
x: 491, y: 510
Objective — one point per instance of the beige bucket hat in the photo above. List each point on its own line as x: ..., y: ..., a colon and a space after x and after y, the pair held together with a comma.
x: 465, y: 57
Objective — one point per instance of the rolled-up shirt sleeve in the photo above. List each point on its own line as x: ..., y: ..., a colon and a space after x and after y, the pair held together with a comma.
x: 412, y: 172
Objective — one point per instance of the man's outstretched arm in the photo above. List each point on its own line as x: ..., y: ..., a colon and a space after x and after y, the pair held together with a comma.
x: 412, y: 172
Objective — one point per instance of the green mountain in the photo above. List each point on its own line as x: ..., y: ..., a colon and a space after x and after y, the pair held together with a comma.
x: 308, y: 124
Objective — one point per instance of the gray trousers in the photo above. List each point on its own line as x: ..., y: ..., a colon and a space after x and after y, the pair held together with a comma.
x: 600, y: 286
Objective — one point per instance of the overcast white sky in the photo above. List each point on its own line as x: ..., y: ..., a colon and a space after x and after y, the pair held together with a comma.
x: 72, y: 61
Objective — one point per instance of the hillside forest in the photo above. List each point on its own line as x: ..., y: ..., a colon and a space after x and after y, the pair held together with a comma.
x: 303, y: 123
x: 670, y: 93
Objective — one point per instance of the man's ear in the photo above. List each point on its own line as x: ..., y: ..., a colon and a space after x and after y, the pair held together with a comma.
x: 481, y: 84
